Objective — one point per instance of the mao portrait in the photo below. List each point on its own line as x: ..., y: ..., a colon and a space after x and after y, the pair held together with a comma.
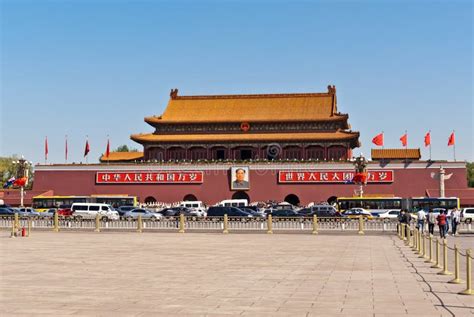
x: 240, y: 178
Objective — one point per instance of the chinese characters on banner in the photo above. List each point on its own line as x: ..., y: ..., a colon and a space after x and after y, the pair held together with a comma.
x: 168, y: 177
x: 374, y: 176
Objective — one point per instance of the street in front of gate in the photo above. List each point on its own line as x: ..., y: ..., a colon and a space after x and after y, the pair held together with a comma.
x: 197, y: 274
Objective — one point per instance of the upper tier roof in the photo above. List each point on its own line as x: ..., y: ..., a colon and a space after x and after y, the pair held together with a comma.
x: 250, y: 108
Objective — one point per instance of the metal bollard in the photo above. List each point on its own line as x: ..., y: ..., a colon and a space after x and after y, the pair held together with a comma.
x: 56, y: 222
x: 468, y: 290
x: 445, y: 259
x: 457, y: 279
x: 415, y: 240
x: 17, y: 222
x: 361, y: 225
x: 181, y: 223
x: 315, y: 224
x: 422, y: 246
x: 430, y: 245
x: 408, y: 241
x: 97, y: 223
x: 29, y: 227
x: 269, y: 224
x: 437, y: 264
x: 404, y: 232
x: 226, y: 224
x: 140, y: 224
x: 399, y: 230
x: 418, y: 251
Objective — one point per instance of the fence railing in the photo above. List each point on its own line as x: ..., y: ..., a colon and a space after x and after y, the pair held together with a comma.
x: 223, y: 224
x: 436, y: 252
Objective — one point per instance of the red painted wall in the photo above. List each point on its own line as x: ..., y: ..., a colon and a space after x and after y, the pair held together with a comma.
x: 408, y: 182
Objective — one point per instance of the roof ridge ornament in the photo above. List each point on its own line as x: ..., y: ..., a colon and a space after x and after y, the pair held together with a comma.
x: 174, y: 93
x: 331, y: 89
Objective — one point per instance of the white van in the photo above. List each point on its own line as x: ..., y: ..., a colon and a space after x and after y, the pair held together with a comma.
x: 233, y: 203
x: 197, y: 207
x: 90, y: 210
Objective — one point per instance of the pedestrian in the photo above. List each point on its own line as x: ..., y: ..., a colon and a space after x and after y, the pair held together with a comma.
x: 431, y: 221
x: 421, y: 215
x: 455, y: 220
x: 447, y: 222
x: 442, y: 224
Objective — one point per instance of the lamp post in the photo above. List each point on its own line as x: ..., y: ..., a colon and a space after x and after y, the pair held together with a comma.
x: 22, y: 173
x: 360, y: 176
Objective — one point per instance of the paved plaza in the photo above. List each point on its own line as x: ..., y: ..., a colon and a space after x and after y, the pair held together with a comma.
x: 210, y: 274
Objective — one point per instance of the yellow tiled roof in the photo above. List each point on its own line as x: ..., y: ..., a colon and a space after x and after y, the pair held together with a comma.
x: 122, y: 156
x: 250, y: 108
x: 377, y: 154
x: 238, y: 137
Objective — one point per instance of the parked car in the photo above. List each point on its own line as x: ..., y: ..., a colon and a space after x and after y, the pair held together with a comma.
x: 123, y: 209
x: 5, y: 211
x: 65, y: 212
x: 91, y: 210
x: 48, y: 213
x: 145, y: 213
x: 287, y: 213
x: 319, y: 211
x: 467, y: 214
x: 218, y: 211
x: 28, y: 212
x: 356, y: 212
x: 253, y: 212
x: 175, y: 211
x: 389, y: 214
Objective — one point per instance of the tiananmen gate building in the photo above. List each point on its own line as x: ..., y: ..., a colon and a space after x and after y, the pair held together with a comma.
x: 281, y: 147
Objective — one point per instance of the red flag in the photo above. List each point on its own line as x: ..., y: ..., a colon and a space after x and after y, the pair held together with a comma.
x: 107, y: 151
x: 87, y: 149
x: 378, y: 139
x: 46, y: 149
x: 451, y: 140
x: 427, y: 139
x: 65, y: 149
x: 404, y: 139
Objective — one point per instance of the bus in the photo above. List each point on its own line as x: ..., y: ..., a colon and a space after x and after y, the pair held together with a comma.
x: 372, y: 204
x: 43, y: 203
x: 115, y: 200
x: 414, y: 204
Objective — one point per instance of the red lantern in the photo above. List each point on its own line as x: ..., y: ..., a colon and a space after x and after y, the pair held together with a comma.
x: 245, y: 126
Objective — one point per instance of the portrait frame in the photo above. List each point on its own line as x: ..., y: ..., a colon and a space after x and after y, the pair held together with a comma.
x: 234, y: 183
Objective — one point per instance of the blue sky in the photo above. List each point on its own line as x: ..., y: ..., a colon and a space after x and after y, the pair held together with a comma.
x: 97, y: 68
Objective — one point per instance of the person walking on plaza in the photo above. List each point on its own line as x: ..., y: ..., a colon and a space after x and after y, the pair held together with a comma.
x: 431, y: 221
x: 446, y: 228
x: 442, y: 224
x: 455, y: 220
x: 421, y: 215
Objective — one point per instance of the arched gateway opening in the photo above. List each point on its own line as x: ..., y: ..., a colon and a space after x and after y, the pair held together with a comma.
x: 190, y: 197
x: 241, y: 195
x: 292, y: 199
x: 150, y: 200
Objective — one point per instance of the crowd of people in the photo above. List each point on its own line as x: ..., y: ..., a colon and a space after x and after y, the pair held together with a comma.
x: 444, y: 219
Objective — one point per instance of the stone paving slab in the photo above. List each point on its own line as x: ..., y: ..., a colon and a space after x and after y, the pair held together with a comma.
x: 169, y: 274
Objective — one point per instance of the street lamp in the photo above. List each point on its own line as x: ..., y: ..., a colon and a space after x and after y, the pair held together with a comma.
x: 22, y: 176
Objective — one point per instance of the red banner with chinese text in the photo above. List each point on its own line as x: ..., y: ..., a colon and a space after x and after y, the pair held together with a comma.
x: 373, y: 176
x: 168, y: 177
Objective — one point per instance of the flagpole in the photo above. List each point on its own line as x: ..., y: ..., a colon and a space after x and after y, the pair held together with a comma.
x: 65, y: 150
x: 87, y: 155
x: 406, y: 146
x: 430, y: 143
x: 107, y: 149
x: 454, y: 146
x: 46, y: 151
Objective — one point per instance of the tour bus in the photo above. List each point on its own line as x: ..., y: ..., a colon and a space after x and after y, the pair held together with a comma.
x: 43, y: 203
x: 414, y: 204
x: 372, y: 204
x: 233, y: 203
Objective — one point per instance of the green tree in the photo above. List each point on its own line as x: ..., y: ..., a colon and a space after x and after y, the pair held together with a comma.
x: 470, y: 174
x: 124, y: 148
x: 8, y: 169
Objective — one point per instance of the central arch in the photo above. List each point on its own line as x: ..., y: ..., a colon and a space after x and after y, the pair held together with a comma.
x: 292, y: 199
x: 190, y: 197
x: 241, y: 195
